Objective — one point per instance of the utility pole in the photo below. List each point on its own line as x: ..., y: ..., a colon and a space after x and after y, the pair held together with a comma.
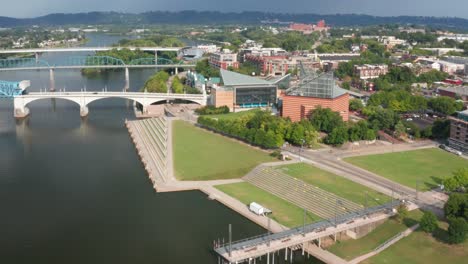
x: 268, y: 244
x: 366, y: 205
x: 303, y: 223
x: 230, y: 240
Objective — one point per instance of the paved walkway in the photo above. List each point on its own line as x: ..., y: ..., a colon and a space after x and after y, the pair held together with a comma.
x: 385, y: 245
x: 323, y: 255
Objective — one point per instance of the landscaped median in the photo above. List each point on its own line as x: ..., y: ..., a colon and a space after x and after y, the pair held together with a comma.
x: 283, y: 211
x: 424, y: 168
x: 202, y: 155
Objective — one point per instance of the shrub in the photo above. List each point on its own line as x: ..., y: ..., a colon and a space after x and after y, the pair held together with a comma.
x: 428, y: 222
x: 457, y: 230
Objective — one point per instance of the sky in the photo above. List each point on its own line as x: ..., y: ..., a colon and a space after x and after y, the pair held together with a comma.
x: 34, y: 8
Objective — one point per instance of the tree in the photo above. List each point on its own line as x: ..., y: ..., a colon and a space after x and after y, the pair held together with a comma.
x: 457, y: 230
x: 402, y: 213
x: 457, y: 205
x: 400, y: 129
x: 324, y: 119
x: 459, y: 180
x: 443, y: 104
x: 385, y: 118
x: 338, y: 136
x: 177, y: 86
x: 157, y: 83
x: 355, y: 105
x: 441, y: 129
x: 428, y: 222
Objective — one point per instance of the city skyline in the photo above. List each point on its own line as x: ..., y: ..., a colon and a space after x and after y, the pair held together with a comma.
x: 26, y: 9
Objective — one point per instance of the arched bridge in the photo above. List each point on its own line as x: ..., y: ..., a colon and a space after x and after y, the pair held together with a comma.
x: 85, y: 98
x: 82, y: 62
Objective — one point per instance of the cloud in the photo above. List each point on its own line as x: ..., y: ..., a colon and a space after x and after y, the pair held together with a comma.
x: 32, y: 8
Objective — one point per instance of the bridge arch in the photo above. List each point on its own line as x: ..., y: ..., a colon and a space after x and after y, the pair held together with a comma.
x: 93, y: 61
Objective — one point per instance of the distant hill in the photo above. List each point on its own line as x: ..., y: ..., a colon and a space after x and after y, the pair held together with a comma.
x: 213, y: 17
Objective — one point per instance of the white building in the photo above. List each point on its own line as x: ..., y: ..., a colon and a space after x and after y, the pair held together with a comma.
x: 209, y: 48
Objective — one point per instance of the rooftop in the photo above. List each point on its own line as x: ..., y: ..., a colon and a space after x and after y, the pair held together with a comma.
x: 460, y: 90
x: 237, y: 79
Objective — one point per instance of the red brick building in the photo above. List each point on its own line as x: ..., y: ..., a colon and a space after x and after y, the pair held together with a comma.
x: 299, y: 107
x: 315, y: 90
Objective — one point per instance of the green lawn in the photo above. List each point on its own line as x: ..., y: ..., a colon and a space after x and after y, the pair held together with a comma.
x: 421, y: 248
x: 426, y: 166
x: 202, y: 155
x: 350, y: 249
x: 335, y: 184
x: 235, y: 115
x: 284, y: 212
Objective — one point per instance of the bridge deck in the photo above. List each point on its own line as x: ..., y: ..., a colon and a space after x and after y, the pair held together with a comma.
x: 262, y: 245
x: 79, y: 49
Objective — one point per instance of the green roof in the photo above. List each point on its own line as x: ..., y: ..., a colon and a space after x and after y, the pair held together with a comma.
x: 237, y: 79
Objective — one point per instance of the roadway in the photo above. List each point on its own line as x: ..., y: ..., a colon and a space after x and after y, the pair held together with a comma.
x: 331, y: 160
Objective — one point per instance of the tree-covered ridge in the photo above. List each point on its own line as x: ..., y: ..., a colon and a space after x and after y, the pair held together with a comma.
x: 153, y: 41
x: 214, y: 17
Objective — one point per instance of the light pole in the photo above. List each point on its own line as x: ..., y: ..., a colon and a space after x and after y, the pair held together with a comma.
x: 336, y: 209
x: 301, y: 149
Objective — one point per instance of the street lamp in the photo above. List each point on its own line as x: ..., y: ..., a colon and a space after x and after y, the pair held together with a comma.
x: 301, y: 149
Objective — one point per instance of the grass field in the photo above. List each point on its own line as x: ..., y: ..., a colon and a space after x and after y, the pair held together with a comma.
x: 335, y: 184
x: 235, y: 115
x: 350, y: 249
x: 284, y: 212
x: 202, y: 155
x: 421, y: 248
x: 426, y: 166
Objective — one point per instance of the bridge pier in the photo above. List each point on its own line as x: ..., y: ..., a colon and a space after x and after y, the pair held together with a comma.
x: 20, y: 109
x: 52, y: 80
x: 127, y: 79
x: 176, y: 71
x: 84, y: 111
x: 156, y: 57
x: 36, y: 55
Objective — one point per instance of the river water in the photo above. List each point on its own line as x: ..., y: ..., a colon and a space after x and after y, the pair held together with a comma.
x: 73, y: 190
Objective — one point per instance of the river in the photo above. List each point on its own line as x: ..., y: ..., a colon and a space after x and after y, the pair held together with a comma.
x: 75, y: 191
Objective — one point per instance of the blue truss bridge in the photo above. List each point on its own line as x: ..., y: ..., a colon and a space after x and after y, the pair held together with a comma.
x: 83, y: 62
x: 12, y: 89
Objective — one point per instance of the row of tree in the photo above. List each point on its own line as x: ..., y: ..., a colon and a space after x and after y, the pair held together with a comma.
x: 264, y: 129
x: 212, y: 110
x: 402, y: 101
x: 157, y: 83
x: 339, y: 132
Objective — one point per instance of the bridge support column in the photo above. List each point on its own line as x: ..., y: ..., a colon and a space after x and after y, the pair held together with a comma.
x: 176, y: 71
x: 36, y: 55
x: 156, y: 57
x: 84, y: 111
x: 51, y: 80
x: 127, y: 79
x: 20, y: 110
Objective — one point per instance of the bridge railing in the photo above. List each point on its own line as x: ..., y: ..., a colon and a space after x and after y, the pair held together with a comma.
x: 318, y: 226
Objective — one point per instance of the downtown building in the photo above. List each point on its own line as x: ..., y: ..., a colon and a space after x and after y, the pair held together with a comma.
x: 315, y: 90
x: 240, y: 91
x: 459, y: 132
